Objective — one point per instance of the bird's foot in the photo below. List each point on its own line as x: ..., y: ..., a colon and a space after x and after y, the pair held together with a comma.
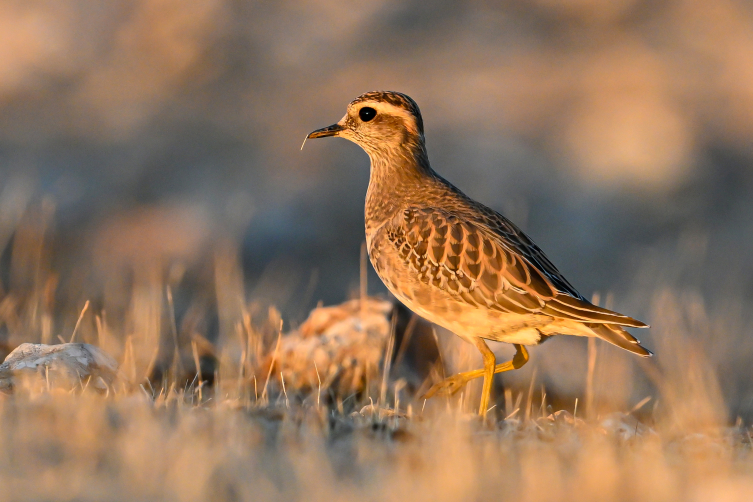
x: 452, y: 385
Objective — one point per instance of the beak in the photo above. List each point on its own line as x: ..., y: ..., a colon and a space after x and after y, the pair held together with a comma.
x: 326, y: 131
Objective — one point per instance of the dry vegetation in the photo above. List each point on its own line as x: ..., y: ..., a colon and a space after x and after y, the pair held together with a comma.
x: 190, y: 418
x: 156, y: 130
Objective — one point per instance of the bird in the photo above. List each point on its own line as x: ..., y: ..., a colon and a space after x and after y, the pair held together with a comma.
x: 455, y: 261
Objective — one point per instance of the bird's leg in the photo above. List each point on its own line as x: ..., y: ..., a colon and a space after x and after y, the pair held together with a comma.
x: 453, y: 384
x: 490, y: 362
x: 517, y: 361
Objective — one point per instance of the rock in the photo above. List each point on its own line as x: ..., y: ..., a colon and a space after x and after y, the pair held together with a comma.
x: 340, y: 346
x: 65, y: 365
x: 624, y: 426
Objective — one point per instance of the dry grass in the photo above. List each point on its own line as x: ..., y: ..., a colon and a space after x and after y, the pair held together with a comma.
x: 63, y: 446
x: 646, y: 101
x: 196, y: 415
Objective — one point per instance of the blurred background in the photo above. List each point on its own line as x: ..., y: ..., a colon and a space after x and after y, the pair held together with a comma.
x: 145, y: 140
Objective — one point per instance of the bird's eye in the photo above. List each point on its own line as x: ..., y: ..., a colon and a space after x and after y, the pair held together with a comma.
x: 366, y: 113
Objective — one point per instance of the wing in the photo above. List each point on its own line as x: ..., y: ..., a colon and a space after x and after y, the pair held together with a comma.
x: 491, y: 265
x: 516, y: 239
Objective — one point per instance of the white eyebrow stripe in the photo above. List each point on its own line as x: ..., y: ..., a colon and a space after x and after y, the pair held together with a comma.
x: 388, y: 109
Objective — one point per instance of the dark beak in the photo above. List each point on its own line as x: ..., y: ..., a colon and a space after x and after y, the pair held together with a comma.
x: 326, y: 131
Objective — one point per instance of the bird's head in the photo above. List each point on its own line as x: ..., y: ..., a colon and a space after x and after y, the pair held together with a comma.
x: 378, y: 122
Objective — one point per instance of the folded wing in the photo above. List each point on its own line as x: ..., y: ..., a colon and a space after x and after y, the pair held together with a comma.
x: 495, y: 265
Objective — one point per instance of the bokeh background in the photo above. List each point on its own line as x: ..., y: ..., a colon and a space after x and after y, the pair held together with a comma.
x: 143, y: 138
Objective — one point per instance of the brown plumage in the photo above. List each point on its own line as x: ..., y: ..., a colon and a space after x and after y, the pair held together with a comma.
x: 453, y: 260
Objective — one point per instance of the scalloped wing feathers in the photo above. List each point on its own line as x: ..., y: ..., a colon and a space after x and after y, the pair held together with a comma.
x: 494, y: 265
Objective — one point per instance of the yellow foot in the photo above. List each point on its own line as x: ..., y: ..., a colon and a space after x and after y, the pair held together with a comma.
x: 452, y: 385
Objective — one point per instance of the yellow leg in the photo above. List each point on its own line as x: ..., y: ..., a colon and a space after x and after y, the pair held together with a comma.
x: 490, y: 361
x: 453, y: 384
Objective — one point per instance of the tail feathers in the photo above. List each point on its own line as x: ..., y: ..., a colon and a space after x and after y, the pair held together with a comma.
x: 618, y: 336
x: 575, y: 308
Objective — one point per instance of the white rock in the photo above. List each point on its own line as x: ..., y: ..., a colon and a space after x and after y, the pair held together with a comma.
x: 64, y: 365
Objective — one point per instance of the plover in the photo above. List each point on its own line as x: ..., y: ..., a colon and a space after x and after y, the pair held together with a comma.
x: 453, y: 260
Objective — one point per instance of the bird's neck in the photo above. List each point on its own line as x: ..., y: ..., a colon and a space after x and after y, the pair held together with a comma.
x: 398, y: 175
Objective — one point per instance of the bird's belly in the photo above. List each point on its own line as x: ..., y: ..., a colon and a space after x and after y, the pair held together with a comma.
x: 438, y: 306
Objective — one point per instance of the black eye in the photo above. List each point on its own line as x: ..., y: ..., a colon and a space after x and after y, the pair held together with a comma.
x: 366, y: 113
